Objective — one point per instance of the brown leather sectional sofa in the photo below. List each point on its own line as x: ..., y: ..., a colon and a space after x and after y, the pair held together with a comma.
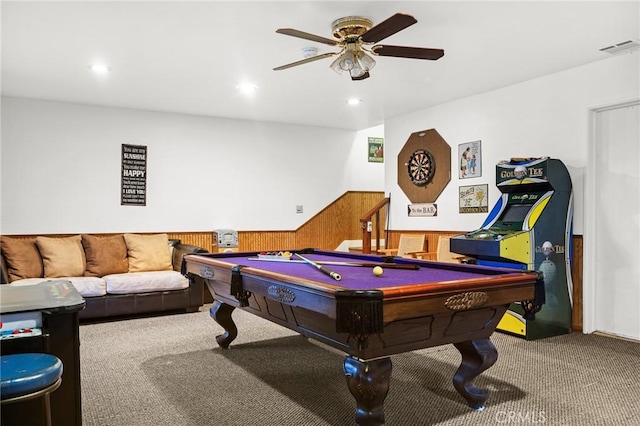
x: 112, y: 280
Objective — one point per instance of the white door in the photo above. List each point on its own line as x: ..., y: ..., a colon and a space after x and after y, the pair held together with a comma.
x: 616, y: 242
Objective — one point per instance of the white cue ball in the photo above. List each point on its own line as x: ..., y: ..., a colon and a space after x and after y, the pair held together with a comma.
x: 377, y: 271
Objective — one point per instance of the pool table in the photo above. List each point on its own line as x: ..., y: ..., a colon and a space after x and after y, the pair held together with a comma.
x: 414, y: 304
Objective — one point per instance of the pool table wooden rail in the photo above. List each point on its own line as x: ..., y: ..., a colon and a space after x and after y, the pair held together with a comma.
x: 427, y: 315
x: 431, y: 296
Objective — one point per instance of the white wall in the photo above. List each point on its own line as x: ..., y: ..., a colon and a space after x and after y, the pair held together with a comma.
x: 61, y: 162
x: 548, y: 116
x: 61, y: 170
x: 365, y: 176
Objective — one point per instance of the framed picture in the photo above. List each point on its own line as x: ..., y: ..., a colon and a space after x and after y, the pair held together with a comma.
x: 376, y: 150
x: 474, y: 199
x: 133, y: 178
x: 470, y: 160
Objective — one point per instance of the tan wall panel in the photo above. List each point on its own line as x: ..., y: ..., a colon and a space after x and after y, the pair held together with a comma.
x: 577, y: 277
x: 200, y: 239
x: 266, y: 240
x: 339, y: 221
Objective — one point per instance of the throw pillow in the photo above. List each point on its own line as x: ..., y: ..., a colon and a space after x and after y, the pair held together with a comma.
x: 22, y: 258
x: 148, y: 252
x: 62, y: 257
x: 105, y: 255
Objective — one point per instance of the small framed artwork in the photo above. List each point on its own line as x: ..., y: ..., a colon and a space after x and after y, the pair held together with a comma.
x: 474, y: 199
x: 376, y: 150
x: 470, y: 160
x: 133, y: 178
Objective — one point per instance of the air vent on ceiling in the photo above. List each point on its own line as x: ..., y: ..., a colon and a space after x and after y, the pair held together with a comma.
x: 621, y: 47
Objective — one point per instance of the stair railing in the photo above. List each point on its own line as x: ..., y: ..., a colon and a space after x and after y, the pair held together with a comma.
x: 366, y: 224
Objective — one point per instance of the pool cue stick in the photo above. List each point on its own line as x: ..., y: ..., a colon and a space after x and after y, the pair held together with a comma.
x: 372, y: 264
x: 336, y: 276
x: 412, y: 266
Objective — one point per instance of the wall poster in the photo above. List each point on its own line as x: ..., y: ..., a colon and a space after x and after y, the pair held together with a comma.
x: 474, y: 199
x: 376, y: 150
x: 470, y: 158
x: 134, y: 175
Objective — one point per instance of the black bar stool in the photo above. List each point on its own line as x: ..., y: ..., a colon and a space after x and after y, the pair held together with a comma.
x: 28, y: 376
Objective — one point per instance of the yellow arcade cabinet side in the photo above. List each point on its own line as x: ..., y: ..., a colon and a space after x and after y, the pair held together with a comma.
x: 530, y: 227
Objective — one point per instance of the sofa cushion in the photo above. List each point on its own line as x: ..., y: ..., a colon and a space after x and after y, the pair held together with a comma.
x: 86, y: 286
x: 62, y: 257
x: 148, y: 252
x: 105, y: 255
x: 142, y: 282
x: 22, y: 258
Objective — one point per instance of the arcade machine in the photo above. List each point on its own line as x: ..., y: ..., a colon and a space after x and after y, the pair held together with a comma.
x: 530, y: 227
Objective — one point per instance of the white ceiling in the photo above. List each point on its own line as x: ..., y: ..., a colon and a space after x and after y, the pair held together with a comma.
x: 188, y: 57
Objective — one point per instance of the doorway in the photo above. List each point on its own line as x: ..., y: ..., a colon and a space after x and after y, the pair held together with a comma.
x: 612, y: 219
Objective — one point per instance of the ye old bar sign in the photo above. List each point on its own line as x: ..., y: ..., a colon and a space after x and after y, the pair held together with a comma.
x: 134, y: 175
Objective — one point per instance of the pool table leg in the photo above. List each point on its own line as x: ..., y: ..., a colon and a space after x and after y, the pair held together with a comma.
x: 368, y: 382
x: 221, y: 313
x: 477, y: 356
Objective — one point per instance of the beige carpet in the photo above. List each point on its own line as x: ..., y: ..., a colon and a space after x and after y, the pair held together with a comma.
x: 168, y: 370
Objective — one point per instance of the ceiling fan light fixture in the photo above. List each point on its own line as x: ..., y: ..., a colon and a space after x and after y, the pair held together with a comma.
x: 347, y: 61
x: 335, y: 65
x: 363, y: 63
x: 366, y: 62
x: 353, y: 35
x: 357, y: 70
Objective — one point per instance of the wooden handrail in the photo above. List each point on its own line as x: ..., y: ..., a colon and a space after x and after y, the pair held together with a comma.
x: 364, y: 223
x: 375, y: 209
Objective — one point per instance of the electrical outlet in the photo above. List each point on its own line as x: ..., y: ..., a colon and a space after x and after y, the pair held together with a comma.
x: 298, y: 209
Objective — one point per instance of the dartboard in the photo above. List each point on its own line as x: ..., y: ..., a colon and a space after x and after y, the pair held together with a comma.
x: 421, y: 167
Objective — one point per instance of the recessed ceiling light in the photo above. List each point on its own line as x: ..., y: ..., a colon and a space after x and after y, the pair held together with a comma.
x: 354, y: 101
x: 99, y: 69
x: 247, y: 89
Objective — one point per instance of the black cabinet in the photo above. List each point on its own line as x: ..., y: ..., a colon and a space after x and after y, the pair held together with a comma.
x: 55, y: 306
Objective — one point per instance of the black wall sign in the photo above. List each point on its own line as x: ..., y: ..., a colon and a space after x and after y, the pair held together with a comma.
x: 134, y: 175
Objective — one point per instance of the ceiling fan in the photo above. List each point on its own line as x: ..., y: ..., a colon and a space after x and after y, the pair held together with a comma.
x: 353, y: 35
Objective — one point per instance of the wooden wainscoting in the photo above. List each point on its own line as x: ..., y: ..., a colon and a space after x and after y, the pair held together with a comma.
x: 266, y: 240
x: 577, y: 277
x: 337, y: 222
x: 200, y: 239
x: 340, y: 221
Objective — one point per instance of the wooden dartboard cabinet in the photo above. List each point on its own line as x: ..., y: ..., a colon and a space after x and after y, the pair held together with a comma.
x: 424, y: 166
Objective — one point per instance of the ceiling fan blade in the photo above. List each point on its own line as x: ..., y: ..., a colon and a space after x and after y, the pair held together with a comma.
x: 306, y: 61
x: 407, y: 52
x: 362, y: 77
x: 307, y: 36
x: 386, y: 28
